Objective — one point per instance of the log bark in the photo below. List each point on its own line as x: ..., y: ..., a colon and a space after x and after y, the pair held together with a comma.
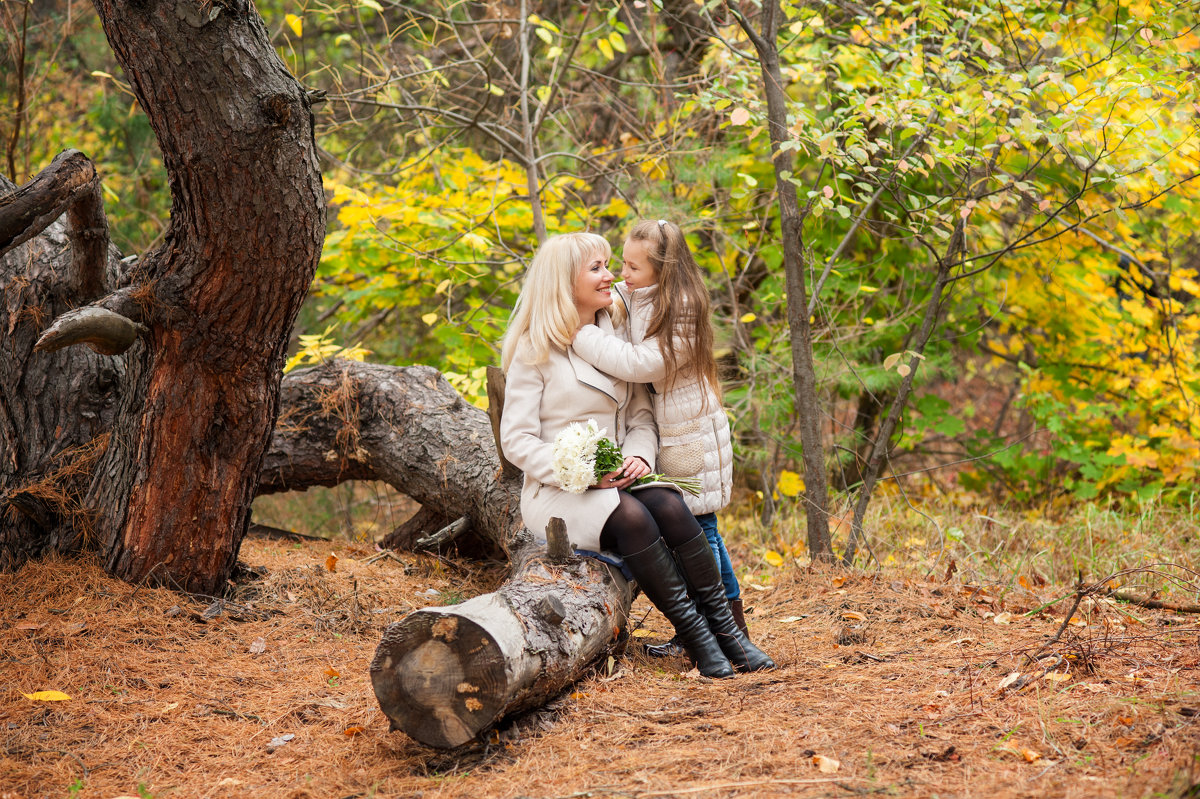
x: 346, y: 420
x: 445, y: 675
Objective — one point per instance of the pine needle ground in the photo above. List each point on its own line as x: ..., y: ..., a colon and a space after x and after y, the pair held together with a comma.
x: 896, y: 678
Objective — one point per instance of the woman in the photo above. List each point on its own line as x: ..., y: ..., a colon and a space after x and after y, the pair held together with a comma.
x: 548, y: 387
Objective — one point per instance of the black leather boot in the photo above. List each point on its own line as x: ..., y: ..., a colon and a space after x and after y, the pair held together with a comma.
x: 739, y: 615
x: 660, y: 580
x: 700, y: 570
x: 672, y: 648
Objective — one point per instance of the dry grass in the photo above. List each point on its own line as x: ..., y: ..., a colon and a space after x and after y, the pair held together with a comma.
x: 896, y: 678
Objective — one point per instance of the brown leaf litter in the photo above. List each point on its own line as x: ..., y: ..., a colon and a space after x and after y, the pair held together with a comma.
x: 887, y: 685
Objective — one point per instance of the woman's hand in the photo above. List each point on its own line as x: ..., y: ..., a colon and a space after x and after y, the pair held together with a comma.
x: 631, y: 470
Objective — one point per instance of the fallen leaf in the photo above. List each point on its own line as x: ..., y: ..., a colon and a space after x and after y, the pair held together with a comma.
x: 642, y: 632
x: 279, y: 741
x: 826, y: 765
x: 47, y: 696
x: 332, y: 672
x: 791, y: 619
x: 1003, y: 618
x: 1009, y: 680
x: 838, y: 582
x: 1126, y: 720
x: 259, y: 646
x: 757, y: 587
x: 1057, y: 676
x: 29, y: 625
x: 1093, y: 687
x: 1030, y: 755
x: 851, y: 615
x: 169, y: 707
x: 1024, y: 582
x: 355, y: 730
x: 331, y: 562
x: 962, y: 640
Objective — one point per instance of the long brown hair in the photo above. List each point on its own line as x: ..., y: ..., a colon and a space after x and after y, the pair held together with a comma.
x: 682, y: 317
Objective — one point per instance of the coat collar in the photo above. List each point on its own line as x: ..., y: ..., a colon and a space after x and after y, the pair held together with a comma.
x: 586, y: 373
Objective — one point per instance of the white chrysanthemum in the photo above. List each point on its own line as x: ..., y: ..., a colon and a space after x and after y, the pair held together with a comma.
x: 575, y: 455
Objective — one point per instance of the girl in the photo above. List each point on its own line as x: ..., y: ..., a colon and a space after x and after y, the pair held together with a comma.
x: 550, y: 387
x: 671, y: 347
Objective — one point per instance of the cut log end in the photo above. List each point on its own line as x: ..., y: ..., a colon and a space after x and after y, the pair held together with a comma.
x: 441, y: 678
x: 106, y: 332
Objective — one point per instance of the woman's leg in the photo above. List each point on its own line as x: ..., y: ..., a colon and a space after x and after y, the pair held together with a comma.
x: 682, y: 532
x: 632, y: 532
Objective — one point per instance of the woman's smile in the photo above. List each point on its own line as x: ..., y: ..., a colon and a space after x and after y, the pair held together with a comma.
x: 593, y: 289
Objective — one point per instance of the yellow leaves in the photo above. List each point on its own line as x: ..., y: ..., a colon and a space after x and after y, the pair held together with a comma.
x: 295, y: 23
x: 747, y: 318
x: 319, y: 347
x: 773, y: 558
x: 331, y: 562
x: 47, y: 696
x: 789, y: 484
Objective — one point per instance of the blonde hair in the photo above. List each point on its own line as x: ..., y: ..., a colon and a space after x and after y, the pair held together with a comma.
x: 681, y: 318
x: 545, y: 315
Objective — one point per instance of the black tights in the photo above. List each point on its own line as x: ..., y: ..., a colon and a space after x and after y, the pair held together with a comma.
x: 643, y: 516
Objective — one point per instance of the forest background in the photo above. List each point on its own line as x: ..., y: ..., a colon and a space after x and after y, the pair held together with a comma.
x: 992, y: 209
x: 954, y: 270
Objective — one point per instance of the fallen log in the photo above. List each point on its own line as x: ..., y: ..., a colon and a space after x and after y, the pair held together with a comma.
x: 444, y: 675
x: 406, y: 426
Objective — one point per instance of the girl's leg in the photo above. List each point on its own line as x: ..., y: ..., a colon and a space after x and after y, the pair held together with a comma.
x: 682, y: 532
x: 733, y: 591
x: 708, y: 523
x: 633, y: 532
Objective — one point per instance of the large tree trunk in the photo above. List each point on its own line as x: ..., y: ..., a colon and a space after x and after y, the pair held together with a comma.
x: 197, y: 394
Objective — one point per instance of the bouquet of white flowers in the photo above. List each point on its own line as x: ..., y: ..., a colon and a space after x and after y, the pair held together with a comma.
x: 583, y: 454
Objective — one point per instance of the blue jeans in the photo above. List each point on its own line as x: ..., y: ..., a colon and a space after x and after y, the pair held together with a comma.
x: 708, y: 523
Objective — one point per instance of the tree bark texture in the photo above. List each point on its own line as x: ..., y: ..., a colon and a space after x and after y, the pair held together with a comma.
x: 220, y: 295
x: 56, y: 408
x: 404, y: 425
x: 804, y: 376
x: 191, y: 405
x: 443, y: 675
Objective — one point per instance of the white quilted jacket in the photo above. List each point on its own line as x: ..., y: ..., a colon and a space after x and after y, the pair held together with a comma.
x: 694, y: 437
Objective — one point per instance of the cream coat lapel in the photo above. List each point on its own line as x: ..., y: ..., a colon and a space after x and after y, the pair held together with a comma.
x: 589, y: 375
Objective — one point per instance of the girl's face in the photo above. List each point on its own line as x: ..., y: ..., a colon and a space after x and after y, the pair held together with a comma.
x: 593, y: 288
x: 636, y: 270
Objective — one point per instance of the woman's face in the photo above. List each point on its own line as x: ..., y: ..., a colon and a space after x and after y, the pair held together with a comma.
x: 636, y: 270
x: 593, y: 288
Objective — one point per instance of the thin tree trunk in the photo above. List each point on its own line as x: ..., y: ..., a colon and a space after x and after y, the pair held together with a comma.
x: 794, y: 263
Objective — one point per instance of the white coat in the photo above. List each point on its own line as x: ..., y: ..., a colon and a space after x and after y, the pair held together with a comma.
x: 693, y: 431
x: 540, y: 401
